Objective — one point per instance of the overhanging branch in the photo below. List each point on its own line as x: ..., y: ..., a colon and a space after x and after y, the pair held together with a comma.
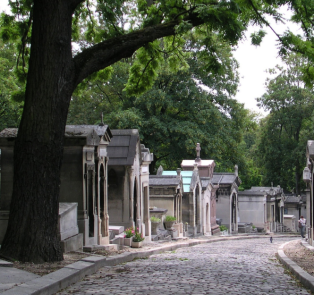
x: 110, y: 51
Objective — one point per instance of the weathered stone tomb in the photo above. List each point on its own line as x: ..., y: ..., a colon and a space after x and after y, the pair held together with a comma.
x: 128, y: 181
x: 83, y: 179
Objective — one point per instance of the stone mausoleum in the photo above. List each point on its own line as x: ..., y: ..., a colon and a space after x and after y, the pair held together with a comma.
x: 128, y: 182
x: 205, y: 200
x: 264, y: 208
x: 83, y: 182
x: 227, y: 198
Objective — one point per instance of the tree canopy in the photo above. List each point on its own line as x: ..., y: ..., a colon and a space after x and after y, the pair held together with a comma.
x: 193, y: 105
x: 10, y: 110
x: 285, y: 131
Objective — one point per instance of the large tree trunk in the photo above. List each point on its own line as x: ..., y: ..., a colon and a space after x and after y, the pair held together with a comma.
x: 32, y: 233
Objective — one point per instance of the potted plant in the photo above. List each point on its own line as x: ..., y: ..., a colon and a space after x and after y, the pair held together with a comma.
x: 137, y: 239
x: 169, y: 221
x: 154, y: 223
x: 128, y: 234
x: 223, y: 230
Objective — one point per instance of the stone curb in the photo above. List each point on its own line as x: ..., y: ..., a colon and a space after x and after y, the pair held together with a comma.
x: 4, y: 263
x: 306, y: 279
x: 72, y: 273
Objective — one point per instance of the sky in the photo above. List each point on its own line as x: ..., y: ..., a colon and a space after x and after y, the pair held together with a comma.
x: 253, y: 60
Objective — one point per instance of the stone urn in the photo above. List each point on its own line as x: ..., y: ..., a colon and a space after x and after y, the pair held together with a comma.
x: 169, y: 224
x: 154, y: 226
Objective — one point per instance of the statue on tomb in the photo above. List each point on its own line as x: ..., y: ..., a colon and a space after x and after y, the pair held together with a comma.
x: 198, y: 152
x: 160, y: 170
x: 102, y: 119
x: 236, y: 170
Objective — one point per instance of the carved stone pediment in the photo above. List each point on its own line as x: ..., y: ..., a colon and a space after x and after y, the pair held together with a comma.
x: 93, y: 138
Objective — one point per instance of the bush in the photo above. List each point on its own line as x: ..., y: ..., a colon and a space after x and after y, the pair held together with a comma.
x: 223, y: 227
x: 170, y: 218
x: 138, y: 237
x: 129, y: 232
x: 155, y: 219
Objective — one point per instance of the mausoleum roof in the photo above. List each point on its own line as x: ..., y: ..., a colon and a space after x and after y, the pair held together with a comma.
x: 294, y: 199
x: 225, y: 178
x: 186, y: 178
x: 260, y: 191
x: 85, y: 130
x: 9, y: 132
x: 70, y: 131
x: 201, y: 163
x: 88, y: 134
x: 251, y: 193
x: 122, y: 147
x: 163, y: 180
x: 205, y: 182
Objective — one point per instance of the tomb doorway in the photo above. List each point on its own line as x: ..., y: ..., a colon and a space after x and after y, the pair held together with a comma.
x: 102, y: 198
x: 233, y: 213
x: 90, y: 202
x: 207, y: 218
x: 197, y: 209
x: 135, y: 200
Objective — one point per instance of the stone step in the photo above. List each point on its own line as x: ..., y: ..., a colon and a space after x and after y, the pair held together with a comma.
x: 4, y: 263
x: 117, y: 240
x: 117, y: 229
x: 110, y: 247
x: 154, y: 238
x: 111, y: 235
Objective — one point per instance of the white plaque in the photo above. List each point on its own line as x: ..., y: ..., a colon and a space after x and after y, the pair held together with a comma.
x: 103, y: 152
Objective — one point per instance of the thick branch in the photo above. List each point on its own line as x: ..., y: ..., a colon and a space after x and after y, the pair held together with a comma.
x: 110, y: 51
x: 74, y: 3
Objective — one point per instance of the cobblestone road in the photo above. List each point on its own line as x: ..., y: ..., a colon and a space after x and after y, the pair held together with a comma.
x: 227, y: 267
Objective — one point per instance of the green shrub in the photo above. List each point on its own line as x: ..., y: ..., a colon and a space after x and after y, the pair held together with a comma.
x: 137, y: 236
x: 129, y: 232
x: 223, y: 227
x: 155, y: 219
x: 170, y: 218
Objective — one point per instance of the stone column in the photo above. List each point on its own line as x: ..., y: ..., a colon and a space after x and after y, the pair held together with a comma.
x: 131, y: 195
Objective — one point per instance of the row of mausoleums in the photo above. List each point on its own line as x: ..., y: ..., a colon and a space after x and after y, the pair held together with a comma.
x: 106, y: 188
x: 104, y: 181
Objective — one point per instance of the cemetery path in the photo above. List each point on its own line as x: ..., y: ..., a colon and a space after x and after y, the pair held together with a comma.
x: 225, y: 267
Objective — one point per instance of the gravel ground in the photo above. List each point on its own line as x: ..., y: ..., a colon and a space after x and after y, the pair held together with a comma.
x: 294, y: 250
x: 301, y: 256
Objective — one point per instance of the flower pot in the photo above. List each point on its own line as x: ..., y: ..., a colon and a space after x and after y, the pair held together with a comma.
x: 136, y: 244
x: 169, y: 224
x: 128, y: 241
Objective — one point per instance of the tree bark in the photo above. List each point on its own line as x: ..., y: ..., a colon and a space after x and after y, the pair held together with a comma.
x: 32, y: 233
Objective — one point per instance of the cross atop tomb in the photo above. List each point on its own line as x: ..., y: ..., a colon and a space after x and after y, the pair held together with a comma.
x: 198, y: 152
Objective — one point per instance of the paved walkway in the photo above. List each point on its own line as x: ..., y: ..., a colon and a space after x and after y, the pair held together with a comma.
x: 226, y: 267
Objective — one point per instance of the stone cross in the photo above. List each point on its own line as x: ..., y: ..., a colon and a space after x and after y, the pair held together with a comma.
x: 198, y: 152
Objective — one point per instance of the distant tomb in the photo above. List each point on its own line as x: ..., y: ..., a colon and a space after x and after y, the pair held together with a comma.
x: 204, y: 195
x: 227, y: 198
x: 263, y: 207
